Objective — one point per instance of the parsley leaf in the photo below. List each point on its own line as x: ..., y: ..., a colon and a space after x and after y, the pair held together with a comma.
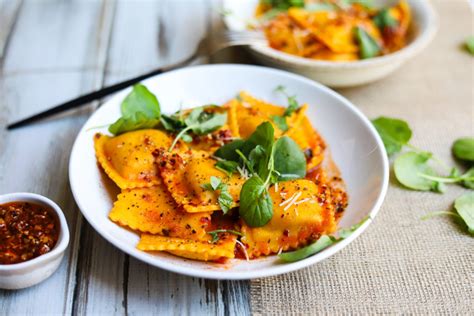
x: 140, y: 109
x: 368, y: 47
x: 224, y: 198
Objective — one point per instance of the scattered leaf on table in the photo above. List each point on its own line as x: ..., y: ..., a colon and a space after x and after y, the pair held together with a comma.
x: 410, y: 166
x: 395, y: 133
x: 463, y: 148
x: 464, y: 205
x: 470, y: 44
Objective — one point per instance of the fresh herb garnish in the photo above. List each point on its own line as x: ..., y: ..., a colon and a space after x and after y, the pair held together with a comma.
x: 366, y: 3
x: 368, y: 46
x: 224, y: 198
x: 284, y: 4
x: 470, y: 44
x: 215, y: 234
x: 384, y: 19
x: 395, y: 133
x: 463, y: 149
x: 227, y: 166
x: 140, y: 109
x: 320, y: 6
x: 412, y: 170
x: 280, y: 122
x: 268, y: 162
x: 464, y: 205
x: 200, y: 122
x: 322, y: 243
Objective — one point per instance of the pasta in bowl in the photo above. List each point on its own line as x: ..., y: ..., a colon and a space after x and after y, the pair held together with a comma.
x: 190, y: 188
x: 340, y: 43
x: 212, y: 183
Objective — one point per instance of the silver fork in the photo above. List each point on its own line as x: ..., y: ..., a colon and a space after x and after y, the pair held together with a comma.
x: 207, y: 46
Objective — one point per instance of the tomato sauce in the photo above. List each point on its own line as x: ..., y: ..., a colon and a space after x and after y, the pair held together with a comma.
x: 27, y: 230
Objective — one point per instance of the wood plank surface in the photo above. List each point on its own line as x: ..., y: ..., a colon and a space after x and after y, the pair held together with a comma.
x: 57, y: 50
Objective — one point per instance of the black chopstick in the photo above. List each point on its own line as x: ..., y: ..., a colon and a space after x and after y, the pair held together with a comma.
x: 86, y: 98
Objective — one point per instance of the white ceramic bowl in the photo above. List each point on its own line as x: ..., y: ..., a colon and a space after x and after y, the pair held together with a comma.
x: 340, y: 74
x: 355, y: 146
x: 31, y: 272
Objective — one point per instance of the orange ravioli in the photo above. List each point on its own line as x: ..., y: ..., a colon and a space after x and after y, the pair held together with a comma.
x: 128, y: 158
x: 309, y: 141
x: 252, y: 112
x: 191, y: 249
x: 153, y: 210
x: 184, y: 175
x: 302, y: 212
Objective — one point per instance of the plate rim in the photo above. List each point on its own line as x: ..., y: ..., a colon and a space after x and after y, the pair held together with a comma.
x: 243, y: 275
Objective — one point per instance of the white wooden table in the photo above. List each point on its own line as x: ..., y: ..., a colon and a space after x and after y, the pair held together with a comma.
x: 51, y: 51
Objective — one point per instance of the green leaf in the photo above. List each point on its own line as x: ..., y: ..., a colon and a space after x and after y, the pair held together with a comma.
x: 346, y: 232
x: 258, y: 161
x: 227, y: 166
x: 463, y: 148
x: 289, y: 159
x: 172, y: 123
x: 141, y: 100
x: 224, y: 199
x: 468, y: 181
x: 368, y: 47
x: 263, y: 136
x: 395, y: 133
x: 215, y: 233
x: 384, y: 19
x: 280, y: 122
x: 201, y: 122
x: 256, y: 206
x: 284, y: 4
x: 470, y: 44
x: 410, y: 166
x: 140, y: 110
x: 134, y: 122
x: 322, y: 243
x: 464, y: 205
x: 292, y: 102
x: 228, y: 151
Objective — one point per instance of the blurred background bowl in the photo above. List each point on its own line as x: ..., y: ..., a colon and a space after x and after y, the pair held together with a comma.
x: 340, y: 74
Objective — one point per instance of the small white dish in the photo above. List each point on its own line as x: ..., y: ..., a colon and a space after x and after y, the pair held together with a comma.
x: 31, y: 272
x: 354, y: 143
x: 340, y: 74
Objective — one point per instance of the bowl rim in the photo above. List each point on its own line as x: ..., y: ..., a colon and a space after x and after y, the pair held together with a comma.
x: 418, y: 44
x: 243, y: 275
x: 63, y: 239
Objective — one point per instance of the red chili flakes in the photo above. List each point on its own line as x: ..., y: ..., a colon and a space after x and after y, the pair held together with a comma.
x: 27, y: 231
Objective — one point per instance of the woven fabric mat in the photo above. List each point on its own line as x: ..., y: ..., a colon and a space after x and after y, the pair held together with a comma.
x: 401, y: 264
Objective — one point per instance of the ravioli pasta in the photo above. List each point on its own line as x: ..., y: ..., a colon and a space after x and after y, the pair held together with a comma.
x: 173, y: 197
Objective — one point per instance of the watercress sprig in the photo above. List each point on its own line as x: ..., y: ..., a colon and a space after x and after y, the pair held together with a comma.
x: 268, y: 161
x: 140, y: 109
x: 322, y: 243
x: 200, y: 122
x: 215, y: 234
x: 224, y: 198
x: 368, y: 46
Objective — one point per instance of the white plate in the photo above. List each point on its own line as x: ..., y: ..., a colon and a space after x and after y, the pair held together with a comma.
x: 354, y: 143
x: 340, y: 74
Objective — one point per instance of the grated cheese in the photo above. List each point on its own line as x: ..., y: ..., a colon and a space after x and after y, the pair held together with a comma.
x: 298, y: 194
x: 276, y: 187
x: 288, y: 201
x: 244, y: 249
x: 303, y: 200
x: 280, y: 251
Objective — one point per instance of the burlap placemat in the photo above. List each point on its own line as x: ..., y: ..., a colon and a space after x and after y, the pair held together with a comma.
x: 401, y: 264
